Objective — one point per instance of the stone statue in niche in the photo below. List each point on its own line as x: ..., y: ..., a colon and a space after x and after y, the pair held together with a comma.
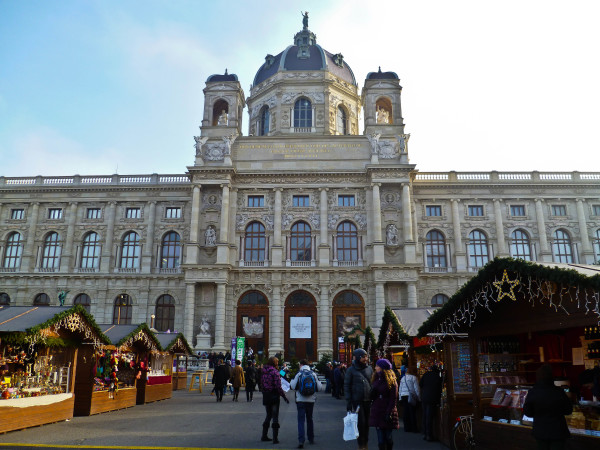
x: 391, y: 234
x: 200, y: 141
x: 402, y: 141
x: 204, y: 326
x: 210, y: 237
x: 383, y: 116
x: 222, y: 120
x: 228, y: 140
x: 374, y: 141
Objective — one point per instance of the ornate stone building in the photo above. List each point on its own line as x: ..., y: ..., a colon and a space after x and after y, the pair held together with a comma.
x: 292, y: 234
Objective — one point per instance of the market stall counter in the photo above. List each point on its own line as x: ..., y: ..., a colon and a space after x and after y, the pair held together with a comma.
x: 502, y: 326
x: 38, y: 363
x: 112, y: 377
x: 167, y: 369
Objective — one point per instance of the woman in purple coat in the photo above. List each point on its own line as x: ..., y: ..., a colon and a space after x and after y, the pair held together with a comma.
x: 384, y: 392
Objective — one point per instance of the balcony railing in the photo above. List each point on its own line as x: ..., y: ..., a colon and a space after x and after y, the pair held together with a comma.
x: 438, y: 269
x: 254, y: 263
x: 88, y: 180
x: 495, y: 177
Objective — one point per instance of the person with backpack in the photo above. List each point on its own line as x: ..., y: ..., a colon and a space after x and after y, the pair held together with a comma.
x: 306, y: 385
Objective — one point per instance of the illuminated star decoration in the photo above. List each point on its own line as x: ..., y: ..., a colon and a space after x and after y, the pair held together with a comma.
x: 510, y: 293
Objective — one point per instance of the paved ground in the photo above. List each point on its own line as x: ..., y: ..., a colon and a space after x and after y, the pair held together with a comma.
x: 193, y: 420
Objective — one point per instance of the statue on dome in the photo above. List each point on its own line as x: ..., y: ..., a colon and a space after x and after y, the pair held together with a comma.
x: 304, y: 19
x: 222, y: 118
x: 383, y: 116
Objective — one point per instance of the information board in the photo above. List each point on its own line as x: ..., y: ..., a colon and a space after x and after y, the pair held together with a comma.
x: 461, y: 368
x: 300, y: 327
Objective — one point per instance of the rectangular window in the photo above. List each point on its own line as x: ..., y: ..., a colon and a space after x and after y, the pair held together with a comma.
x: 433, y: 210
x: 301, y: 201
x: 346, y: 200
x: 596, y: 210
x: 55, y: 213
x: 256, y: 201
x: 93, y: 213
x: 133, y: 213
x: 173, y: 213
x: 17, y: 214
x: 517, y: 210
x: 475, y: 210
x: 559, y: 210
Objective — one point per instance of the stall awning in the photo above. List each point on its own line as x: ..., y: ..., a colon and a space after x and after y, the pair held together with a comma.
x: 129, y: 335
x: 412, y: 318
x: 174, y: 343
x: 21, y: 318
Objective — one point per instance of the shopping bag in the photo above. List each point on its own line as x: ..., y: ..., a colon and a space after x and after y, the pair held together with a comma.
x: 285, y: 385
x: 350, y: 426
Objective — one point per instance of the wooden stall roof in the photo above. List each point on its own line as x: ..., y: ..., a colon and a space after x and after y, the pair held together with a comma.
x: 32, y: 320
x: 411, y: 319
x: 125, y: 336
x: 568, y: 288
x: 174, y: 343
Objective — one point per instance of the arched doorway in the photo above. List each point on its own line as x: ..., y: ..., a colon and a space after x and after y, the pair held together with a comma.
x: 253, y: 321
x: 348, y: 312
x: 300, y: 326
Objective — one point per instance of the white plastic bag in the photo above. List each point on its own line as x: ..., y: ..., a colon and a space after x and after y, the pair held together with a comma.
x: 350, y: 426
x: 285, y: 385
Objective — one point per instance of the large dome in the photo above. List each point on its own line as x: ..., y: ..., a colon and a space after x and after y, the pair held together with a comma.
x: 307, y: 55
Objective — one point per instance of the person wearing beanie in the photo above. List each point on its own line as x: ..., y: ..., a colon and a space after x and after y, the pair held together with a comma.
x: 357, y: 390
x: 384, y: 414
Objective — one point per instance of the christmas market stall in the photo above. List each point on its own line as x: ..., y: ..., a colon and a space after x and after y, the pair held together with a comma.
x: 165, y: 365
x: 114, y: 377
x: 38, y: 354
x: 393, y: 341
x: 358, y: 338
x: 500, y: 327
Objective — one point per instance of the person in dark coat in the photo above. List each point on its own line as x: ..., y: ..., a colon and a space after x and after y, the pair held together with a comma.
x: 332, y: 379
x: 327, y: 374
x: 272, y: 392
x: 250, y: 380
x: 357, y: 391
x: 220, y: 379
x: 548, y: 405
x: 384, y: 414
x: 431, y: 392
x: 338, y: 381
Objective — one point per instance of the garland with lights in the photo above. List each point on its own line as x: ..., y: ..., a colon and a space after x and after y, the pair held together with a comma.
x: 390, y: 333
x: 537, y: 284
x: 179, y: 345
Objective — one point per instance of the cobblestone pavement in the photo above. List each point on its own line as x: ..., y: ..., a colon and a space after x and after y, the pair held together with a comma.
x: 195, y: 420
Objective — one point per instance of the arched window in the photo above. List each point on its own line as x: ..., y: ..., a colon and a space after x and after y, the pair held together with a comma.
x: 253, y: 298
x: 435, y: 246
x: 520, y: 247
x: 562, y: 248
x: 255, y: 242
x: 41, y: 300
x: 130, y: 251
x: 300, y: 299
x: 478, y: 249
x: 83, y: 300
x: 439, y: 300
x: 165, y: 313
x: 300, y: 242
x: 264, y: 121
x: 347, y: 298
x: 347, y: 242
x: 90, y: 251
x: 13, y: 252
x: 170, y: 251
x: 302, y: 113
x: 340, y: 122
x: 122, y: 310
x: 4, y: 299
x: 51, y: 253
x: 597, y: 246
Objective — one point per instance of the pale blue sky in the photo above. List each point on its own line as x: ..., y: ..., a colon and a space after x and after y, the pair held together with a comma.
x: 87, y: 86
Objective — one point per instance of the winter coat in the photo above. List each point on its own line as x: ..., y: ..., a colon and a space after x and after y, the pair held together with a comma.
x: 271, y: 386
x: 338, y: 377
x: 431, y: 387
x: 220, y: 376
x: 295, y: 384
x: 408, y: 384
x: 237, y: 377
x: 384, y: 404
x: 357, y: 384
x: 548, y: 405
x: 251, y: 377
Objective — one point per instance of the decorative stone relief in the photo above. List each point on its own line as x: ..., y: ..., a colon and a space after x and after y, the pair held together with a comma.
x: 332, y: 221
x: 241, y: 220
x: 200, y: 141
x: 268, y: 219
x: 361, y: 220
x: 315, y: 220
x: 211, y: 200
x: 286, y: 219
x: 374, y: 141
x: 214, y: 151
x: 388, y: 149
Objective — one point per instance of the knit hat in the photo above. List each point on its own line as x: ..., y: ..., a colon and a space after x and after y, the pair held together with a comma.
x: 384, y: 364
x: 359, y: 353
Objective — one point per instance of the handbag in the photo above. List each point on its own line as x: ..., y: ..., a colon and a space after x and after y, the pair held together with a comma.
x: 350, y: 426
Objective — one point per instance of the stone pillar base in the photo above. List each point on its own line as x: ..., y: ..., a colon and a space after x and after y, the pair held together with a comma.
x: 202, y: 342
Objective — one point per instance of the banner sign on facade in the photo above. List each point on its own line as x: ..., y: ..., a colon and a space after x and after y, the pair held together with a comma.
x: 241, y: 345
x: 300, y: 327
x: 233, y: 345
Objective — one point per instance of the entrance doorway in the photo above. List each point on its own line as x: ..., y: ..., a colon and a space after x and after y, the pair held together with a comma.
x: 253, y: 321
x: 300, y: 327
x: 348, y: 313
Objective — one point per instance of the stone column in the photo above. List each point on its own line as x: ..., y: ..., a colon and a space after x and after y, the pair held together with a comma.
x: 325, y: 323
x: 233, y: 198
x: 323, y: 244
x: 67, y: 259
x: 410, y: 250
x: 192, y: 253
x: 502, y: 253
x: 277, y: 248
x: 189, y: 310
x: 379, y: 303
x: 545, y: 253
x: 223, y: 242
x: 28, y: 259
x: 459, y: 251
x: 588, y: 252
x: 378, y: 254
x: 412, y: 294
x: 149, y: 247
x: 105, y: 263
x: 219, y: 345
x: 276, y: 322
